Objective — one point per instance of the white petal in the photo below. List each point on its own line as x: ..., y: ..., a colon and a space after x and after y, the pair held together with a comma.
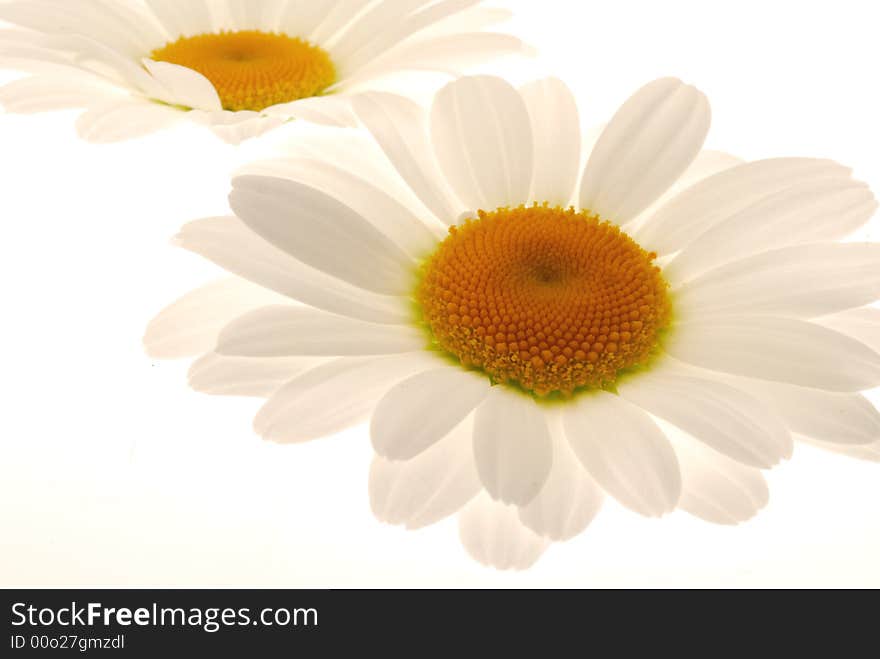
x: 868, y: 452
x: 190, y: 325
x: 258, y: 377
x: 301, y: 17
x: 105, y: 61
x: 336, y: 17
x: 47, y: 93
x: 512, y: 446
x: 727, y: 193
x: 706, y: 164
x: 404, y: 25
x: 822, y: 415
x: 379, y: 19
x: 263, y: 15
x: 824, y: 210
x: 322, y: 232
x: 493, y: 536
x: 329, y: 110
x: 356, y: 154
x: 420, y: 411
x: 430, y: 488
x: 625, y: 451
x: 649, y: 144
x: 556, y: 127
x: 802, y: 282
x: 777, y: 349
x: 332, y: 397
x: 482, y: 135
x: 861, y: 324
x: 238, y: 132
x: 400, y: 126
x: 384, y: 212
x: 116, y: 26
x: 475, y: 18
x: 118, y: 120
x: 229, y: 243
x: 717, y: 489
x: 287, y: 331
x: 448, y: 53
x: 721, y: 416
x: 186, y: 87
x: 182, y: 18
x: 569, y: 500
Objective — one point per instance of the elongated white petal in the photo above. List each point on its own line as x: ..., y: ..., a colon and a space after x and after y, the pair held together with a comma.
x: 805, y: 281
x: 117, y: 26
x: 118, y: 120
x: 777, y: 349
x: 335, y: 18
x: 420, y: 411
x: 556, y: 127
x: 249, y: 15
x: 429, y: 488
x: 706, y: 204
x: 721, y: 416
x: 482, y: 135
x: 303, y: 17
x: 717, y: 489
x: 649, y: 143
x: 334, y: 111
x: 475, y: 18
x: 103, y: 60
x: 512, y: 446
x: 625, y: 451
x: 492, y: 535
x: 848, y: 419
x: 186, y: 87
x: 229, y: 243
x: 707, y: 163
x: 182, y: 18
x: 380, y: 209
x: 569, y: 500
x: 258, y: 377
x: 405, y: 24
x: 371, y: 25
x: 447, y: 53
x: 400, y: 127
x: 817, y: 211
x: 332, y: 397
x: 356, y: 154
x: 321, y: 232
x: 47, y: 93
x: 190, y: 325
x: 866, y: 452
x: 286, y: 331
x: 861, y: 324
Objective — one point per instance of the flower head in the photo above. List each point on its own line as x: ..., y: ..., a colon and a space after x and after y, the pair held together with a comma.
x: 239, y: 66
x: 527, y: 334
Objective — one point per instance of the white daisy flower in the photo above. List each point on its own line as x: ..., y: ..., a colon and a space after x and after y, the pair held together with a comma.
x: 239, y: 66
x: 527, y: 333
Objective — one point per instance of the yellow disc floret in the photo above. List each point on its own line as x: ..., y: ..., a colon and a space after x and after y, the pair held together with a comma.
x: 547, y: 299
x: 253, y: 70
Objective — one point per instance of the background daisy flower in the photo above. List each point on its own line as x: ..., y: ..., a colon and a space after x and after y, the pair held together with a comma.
x: 527, y: 333
x: 238, y: 66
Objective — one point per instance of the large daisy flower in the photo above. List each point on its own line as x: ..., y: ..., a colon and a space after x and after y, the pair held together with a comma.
x: 526, y: 333
x: 239, y: 66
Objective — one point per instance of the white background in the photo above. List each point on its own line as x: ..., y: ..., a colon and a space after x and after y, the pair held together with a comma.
x: 113, y: 472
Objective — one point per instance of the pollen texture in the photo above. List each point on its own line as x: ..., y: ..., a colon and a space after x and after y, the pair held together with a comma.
x: 550, y: 300
x: 253, y: 70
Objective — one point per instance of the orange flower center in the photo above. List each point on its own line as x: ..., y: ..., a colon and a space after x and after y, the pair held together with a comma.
x: 546, y: 299
x: 253, y: 70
